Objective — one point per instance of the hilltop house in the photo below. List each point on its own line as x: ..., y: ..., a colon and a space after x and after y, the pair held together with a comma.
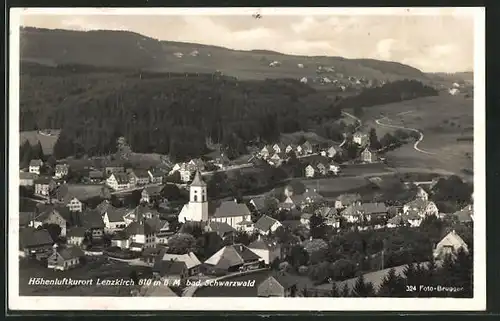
x: 267, y: 249
x: 27, y: 179
x: 118, y: 181
x: 360, y: 212
x: 421, y: 207
x: 450, y: 245
x: 59, y: 216
x: 35, y: 166
x: 278, y: 285
x: 266, y: 151
x: 151, y: 194
x: 61, y: 171
x: 232, y: 258
x: 44, y: 186
x: 267, y: 224
x: 138, y: 177
x: 360, y: 138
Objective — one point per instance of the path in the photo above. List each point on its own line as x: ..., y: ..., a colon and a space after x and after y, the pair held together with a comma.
x: 415, y: 146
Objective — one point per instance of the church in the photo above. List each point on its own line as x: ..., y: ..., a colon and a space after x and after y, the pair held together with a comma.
x: 199, y: 209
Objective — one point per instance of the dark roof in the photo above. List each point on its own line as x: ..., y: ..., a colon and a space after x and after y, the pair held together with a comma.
x: 103, y: 206
x: 121, y: 178
x: 141, y: 173
x: 265, y: 223
x: 25, y: 218
x: 286, y: 280
x: 365, y: 208
x: 26, y: 175
x: 168, y: 267
x: 153, y: 190
x: 156, y: 173
x: 135, y: 244
x: 36, y: 162
x: 44, y: 180
x: 92, y: 219
x: 291, y: 224
x: 63, y: 211
x: 263, y: 243
x: 230, y: 209
x: 96, y: 174
x: 71, y: 252
x: 221, y: 228
x: 76, y: 232
x: 29, y: 237
x: 245, y: 253
x: 116, y: 214
x: 136, y: 228
x: 465, y: 214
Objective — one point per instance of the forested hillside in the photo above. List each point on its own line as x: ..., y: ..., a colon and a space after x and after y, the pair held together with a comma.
x: 163, y: 113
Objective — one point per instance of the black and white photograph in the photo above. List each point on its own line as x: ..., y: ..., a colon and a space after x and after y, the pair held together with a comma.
x: 245, y: 157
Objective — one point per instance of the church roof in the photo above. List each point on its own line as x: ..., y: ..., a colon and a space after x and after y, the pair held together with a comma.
x: 198, y: 181
x: 229, y: 209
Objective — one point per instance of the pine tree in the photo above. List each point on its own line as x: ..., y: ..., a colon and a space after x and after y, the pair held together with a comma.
x: 25, y: 154
x: 362, y: 288
x: 334, y: 292
x: 38, y: 151
x: 392, y: 285
x: 346, y: 292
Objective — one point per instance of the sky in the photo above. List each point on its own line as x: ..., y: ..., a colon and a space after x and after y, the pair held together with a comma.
x: 431, y: 43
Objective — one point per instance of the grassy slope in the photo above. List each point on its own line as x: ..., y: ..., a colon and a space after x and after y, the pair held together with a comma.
x: 127, y: 49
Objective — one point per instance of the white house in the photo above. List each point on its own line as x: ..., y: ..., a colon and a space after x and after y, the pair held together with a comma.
x: 268, y: 250
x: 367, y: 156
x: 118, y: 181
x: 454, y: 91
x: 360, y: 138
x: 193, y: 264
x: 35, y: 166
x: 334, y: 168
x: 309, y: 171
x: 61, y: 171
x: 303, y: 80
x: 74, y: 205
x: 267, y: 224
x: 114, y: 219
x: 300, y: 65
x: 450, y: 245
x: 422, y: 207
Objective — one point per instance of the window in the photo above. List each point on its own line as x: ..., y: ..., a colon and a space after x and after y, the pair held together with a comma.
x: 196, y: 198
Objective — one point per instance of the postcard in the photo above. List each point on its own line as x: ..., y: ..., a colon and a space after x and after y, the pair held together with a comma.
x: 264, y: 159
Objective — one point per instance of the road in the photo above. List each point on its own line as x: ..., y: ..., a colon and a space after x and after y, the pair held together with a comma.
x: 355, y: 129
x: 415, y: 146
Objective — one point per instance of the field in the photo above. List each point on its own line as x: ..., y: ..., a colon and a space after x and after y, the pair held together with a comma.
x: 333, y: 187
x: 446, y: 122
x: 97, y: 268
x: 47, y: 141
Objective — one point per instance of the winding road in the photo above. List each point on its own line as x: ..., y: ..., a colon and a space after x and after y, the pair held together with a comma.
x: 415, y: 146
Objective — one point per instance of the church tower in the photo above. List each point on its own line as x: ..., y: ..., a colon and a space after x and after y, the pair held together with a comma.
x: 198, y: 201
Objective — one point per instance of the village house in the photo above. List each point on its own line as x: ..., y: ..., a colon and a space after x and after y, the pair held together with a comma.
x: 118, y: 181
x: 291, y: 148
x: 465, y: 215
x: 174, y: 272
x: 193, y: 264
x: 310, y: 171
x: 267, y: 249
x: 164, y: 232
x: 140, y: 235
x: 218, y: 158
x: 360, y: 138
x: 364, y: 212
x: 74, y: 205
x: 278, y: 285
x: 140, y: 212
x: 367, y: 156
x: 61, y: 171
x: 44, y: 186
x: 277, y: 159
x: 233, y: 258
x: 196, y: 164
x: 65, y: 258
x: 95, y: 177
x: 185, y: 173
x: 35, y: 166
x: 33, y: 242
x: 260, y: 204
x: 151, y: 194
x: 330, y: 152
x: 279, y: 148
x: 93, y: 224
x: 303, y: 80
x: 421, y: 207
x: 306, y: 148
x: 113, y: 219
x: 345, y: 200
x: 266, y: 225
x: 330, y: 214
x: 138, y: 177
x: 450, y: 245
x: 76, y: 236
x: 411, y: 219
x: 156, y: 176
x: 59, y: 216
x: 266, y: 151
x: 66, y: 192
x: 27, y: 179
x: 334, y: 168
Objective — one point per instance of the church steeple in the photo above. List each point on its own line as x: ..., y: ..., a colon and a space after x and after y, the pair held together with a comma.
x: 197, y: 180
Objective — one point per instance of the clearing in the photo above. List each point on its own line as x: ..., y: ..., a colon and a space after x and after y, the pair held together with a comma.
x: 47, y: 138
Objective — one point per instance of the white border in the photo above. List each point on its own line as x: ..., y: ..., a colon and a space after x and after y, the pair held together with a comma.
x: 17, y: 302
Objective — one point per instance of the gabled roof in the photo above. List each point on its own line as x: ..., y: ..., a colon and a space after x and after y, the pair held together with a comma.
x: 465, y: 214
x: 71, y: 252
x: 452, y: 239
x: 140, y: 173
x: 92, y: 219
x: 96, y: 174
x: 156, y: 173
x: 232, y: 255
x: 327, y: 211
x: 198, y: 180
x: 418, y: 204
x: 231, y: 209
x: 397, y: 220
x: 137, y: 228
x: 121, y: 178
x: 61, y: 167
x: 153, y: 190
x: 60, y: 210
x: 166, y: 268
x: 265, y: 223
x: 103, y: 206
x: 26, y: 175
x: 36, y: 162
x: 80, y: 191
x: 365, y: 208
x: 297, y: 199
x: 43, y: 180
x: 30, y: 237
x: 116, y: 214
x: 189, y: 259
x: 284, y: 279
x: 221, y: 228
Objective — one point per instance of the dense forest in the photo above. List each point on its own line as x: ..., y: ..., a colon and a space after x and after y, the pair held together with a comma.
x: 164, y: 112
x: 388, y: 93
